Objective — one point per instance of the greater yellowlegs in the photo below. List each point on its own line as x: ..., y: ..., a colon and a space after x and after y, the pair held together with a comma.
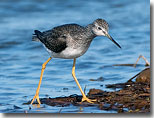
x: 70, y: 41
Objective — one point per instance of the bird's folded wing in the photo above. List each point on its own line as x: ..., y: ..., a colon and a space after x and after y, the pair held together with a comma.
x: 54, y: 41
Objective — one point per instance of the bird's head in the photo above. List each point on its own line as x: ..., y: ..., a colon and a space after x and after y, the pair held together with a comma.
x: 100, y: 28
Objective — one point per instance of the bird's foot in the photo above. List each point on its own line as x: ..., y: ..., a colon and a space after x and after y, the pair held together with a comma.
x: 88, y: 100
x: 37, y: 98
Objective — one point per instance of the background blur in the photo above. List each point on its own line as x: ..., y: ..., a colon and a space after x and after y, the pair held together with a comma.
x: 21, y: 59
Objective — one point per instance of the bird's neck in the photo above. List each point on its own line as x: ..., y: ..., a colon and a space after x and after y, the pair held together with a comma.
x: 89, y: 31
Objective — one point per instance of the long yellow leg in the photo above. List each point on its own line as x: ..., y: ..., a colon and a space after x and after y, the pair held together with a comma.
x: 38, y: 88
x: 84, y: 98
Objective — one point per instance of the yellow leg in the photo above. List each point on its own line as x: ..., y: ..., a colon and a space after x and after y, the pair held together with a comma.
x: 38, y: 88
x: 84, y: 98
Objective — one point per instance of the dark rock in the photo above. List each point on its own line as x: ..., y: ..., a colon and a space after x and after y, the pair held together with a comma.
x: 144, y: 76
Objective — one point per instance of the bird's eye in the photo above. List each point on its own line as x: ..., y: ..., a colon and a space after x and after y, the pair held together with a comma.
x: 64, y: 37
x: 99, y: 28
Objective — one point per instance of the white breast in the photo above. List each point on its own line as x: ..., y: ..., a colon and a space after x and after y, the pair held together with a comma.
x: 68, y: 53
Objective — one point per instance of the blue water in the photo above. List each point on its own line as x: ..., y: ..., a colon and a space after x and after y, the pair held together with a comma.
x: 21, y: 59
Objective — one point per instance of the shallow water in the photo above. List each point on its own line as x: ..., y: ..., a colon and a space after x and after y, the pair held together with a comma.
x: 21, y: 59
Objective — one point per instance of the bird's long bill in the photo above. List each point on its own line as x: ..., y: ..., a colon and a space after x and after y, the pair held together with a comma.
x: 113, y: 40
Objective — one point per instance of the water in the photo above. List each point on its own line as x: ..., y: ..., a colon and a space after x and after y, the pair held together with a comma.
x: 21, y: 59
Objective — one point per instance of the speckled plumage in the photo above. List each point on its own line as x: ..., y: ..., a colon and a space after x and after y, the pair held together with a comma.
x: 69, y: 40
x: 102, y: 23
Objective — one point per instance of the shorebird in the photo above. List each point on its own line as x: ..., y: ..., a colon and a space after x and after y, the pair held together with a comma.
x: 70, y: 41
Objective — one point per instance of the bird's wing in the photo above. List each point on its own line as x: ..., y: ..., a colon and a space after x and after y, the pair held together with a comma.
x: 56, y: 39
x: 52, y: 40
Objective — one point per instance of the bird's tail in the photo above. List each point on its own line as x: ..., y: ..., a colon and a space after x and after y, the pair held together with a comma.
x: 37, y: 36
